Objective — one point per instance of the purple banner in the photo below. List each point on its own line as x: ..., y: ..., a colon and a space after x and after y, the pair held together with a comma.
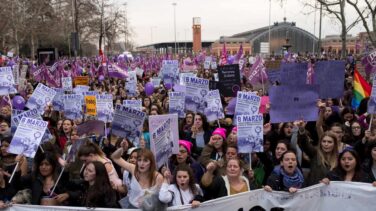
x: 329, y: 75
x: 293, y: 73
x: 290, y: 103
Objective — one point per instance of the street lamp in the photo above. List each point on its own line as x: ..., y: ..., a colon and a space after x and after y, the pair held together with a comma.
x: 174, y: 5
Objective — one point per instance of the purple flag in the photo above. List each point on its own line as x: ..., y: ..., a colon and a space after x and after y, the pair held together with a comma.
x: 310, y: 72
x: 116, y: 72
x: 369, y: 63
x: 257, y: 74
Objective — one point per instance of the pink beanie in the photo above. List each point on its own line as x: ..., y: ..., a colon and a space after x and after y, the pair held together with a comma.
x: 221, y: 132
x: 234, y: 129
x: 186, y: 144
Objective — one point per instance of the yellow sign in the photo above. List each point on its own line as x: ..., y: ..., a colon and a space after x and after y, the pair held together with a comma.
x: 81, y: 80
x: 91, y: 105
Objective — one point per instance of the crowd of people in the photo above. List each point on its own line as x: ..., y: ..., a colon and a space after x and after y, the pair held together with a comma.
x: 112, y: 172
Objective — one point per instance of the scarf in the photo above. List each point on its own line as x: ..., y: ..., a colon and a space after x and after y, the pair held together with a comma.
x: 296, y: 180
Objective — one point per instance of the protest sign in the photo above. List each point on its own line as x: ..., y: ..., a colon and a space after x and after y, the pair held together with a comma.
x: 79, y: 89
x: 293, y: 73
x: 207, y: 62
x: 91, y: 105
x: 161, y: 142
x: 176, y: 103
x: 156, y: 82
x: 135, y: 104
x: 66, y: 83
x: 128, y: 123
x: 72, y: 106
x: 91, y: 127
x: 71, y: 157
x: 229, y: 78
x: 264, y: 102
x: 155, y: 121
x: 6, y: 77
x: 139, y: 72
x: 250, y: 133
x: 247, y: 103
x: 105, y: 109
x: 329, y: 75
x: 213, y: 85
x: 336, y: 196
x: 182, y: 77
x: 131, y: 84
x: 214, y: 109
x: 40, y: 97
x: 371, y: 108
x: 291, y: 103
x: 16, y: 74
x: 196, y: 90
x: 81, y: 80
x: 58, y: 101
x: 28, y: 136
x: 170, y: 71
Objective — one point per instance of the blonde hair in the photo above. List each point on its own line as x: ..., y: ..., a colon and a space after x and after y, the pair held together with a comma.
x: 328, y: 159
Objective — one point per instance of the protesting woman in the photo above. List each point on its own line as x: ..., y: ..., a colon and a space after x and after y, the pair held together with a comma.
x: 182, y: 189
x: 322, y: 158
x: 98, y: 191
x: 200, y: 134
x: 89, y: 152
x: 232, y: 183
x: 287, y: 176
x: 348, y: 169
x: 145, y: 179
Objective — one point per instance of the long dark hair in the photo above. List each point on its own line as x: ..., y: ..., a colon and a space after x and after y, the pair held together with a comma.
x: 51, y: 159
x: 61, y: 131
x: 342, y: 173
x: 90, y: 148
x: 101, y: 182
x: 186, y: 168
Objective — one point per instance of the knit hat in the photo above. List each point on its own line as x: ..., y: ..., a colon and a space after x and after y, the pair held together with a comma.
x: 234, y: 129
x: 186, y: 144
x: 221, y: 132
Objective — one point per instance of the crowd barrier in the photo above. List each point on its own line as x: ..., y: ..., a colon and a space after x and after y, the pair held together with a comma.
x: 341, y: 196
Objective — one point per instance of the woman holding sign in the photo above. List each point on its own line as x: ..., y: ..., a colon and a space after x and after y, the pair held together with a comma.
x: 145, y: 180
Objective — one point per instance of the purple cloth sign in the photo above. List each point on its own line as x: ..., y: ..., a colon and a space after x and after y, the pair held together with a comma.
x: 330, y: 76
x: 293, y: 73
x: 290, y: 103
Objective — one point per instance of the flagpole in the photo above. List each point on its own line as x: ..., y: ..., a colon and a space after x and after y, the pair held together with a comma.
x: 270, y: 12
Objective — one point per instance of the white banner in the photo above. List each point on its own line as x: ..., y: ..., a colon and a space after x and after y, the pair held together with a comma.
x: 336, y: 196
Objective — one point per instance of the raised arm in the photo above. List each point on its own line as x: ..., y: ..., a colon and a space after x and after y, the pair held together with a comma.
x: 116, y: 157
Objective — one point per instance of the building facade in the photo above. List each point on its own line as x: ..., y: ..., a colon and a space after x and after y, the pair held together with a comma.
x: 283, y: 35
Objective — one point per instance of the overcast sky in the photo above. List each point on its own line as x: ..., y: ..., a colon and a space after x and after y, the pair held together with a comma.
x: 153, y: 20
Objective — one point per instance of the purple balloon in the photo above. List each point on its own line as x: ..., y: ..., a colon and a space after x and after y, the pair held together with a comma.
x: 101, y: 78
x: 230, y: 59
x: 18, y: 102
x: 149, y: 88
x: 168, y: 86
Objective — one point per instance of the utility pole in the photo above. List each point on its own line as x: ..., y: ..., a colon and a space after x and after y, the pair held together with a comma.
x: 174, y: 5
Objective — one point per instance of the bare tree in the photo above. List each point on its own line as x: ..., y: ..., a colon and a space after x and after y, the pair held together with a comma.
x: 336, y: 9
x: 365, y: 8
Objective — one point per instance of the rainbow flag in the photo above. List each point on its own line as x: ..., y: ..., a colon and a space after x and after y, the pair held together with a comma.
x: 361, y: 89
